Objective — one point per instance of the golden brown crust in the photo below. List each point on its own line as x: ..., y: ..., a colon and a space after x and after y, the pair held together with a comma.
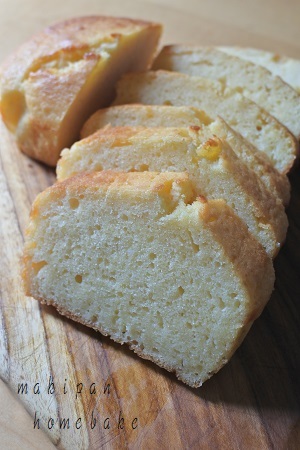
x: 67, y: 37
x: 52, y: 83
x: 40, y: 136
x: 242, y: 249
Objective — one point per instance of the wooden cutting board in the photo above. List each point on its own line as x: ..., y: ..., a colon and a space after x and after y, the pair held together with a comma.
x: 89, y: 393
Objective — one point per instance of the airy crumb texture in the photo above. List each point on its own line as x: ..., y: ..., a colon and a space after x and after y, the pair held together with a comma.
x: 212, y: 165
x: 180, y: 116
x: 138, y: 257
x: 285, y: 67
x: 246, y: 117
x: 253, y: 81
x: 54, y: 82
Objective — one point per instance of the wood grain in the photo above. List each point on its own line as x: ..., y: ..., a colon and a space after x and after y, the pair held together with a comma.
x: 16, y: 424
x: 252, y: 403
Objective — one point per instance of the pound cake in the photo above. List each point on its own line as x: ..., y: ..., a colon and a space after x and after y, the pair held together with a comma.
x: 283, y: 66
x: 180, y: 116
x: 145, y: 115
x: 55, y: 81
x: 253, y: 81
x: 246, y: 117
x: 140, y: 258
x: 210, y: 162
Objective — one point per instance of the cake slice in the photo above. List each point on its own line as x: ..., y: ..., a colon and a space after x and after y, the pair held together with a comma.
x: 253, y: 81
x: 54, y: 82
x: 212, y: 166
x: 283, y: 66
x: 179, y: 116
x: 135, y: 115
x: 246, y: 117
x: 140, y: 258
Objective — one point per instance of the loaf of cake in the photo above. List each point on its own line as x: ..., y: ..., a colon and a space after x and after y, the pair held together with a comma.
x: 180, y: 116
x: 246, y: 117
x: 54, y: 82
x: 141, y: 258
x: 169, y: 205
x: 210, y: 162
x: 283, y: 66
x: 253, y: 81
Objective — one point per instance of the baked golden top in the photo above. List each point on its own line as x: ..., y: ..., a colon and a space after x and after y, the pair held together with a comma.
x: 56, y: 80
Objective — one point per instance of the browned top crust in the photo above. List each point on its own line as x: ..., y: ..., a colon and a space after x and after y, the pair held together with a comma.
x: 67, y: 36
x: 55, y: 81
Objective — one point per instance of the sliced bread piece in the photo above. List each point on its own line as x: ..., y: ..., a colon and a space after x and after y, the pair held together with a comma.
x: 138, y: 257
x: 253, y: 81
x: 178, y: 116
x: 252, y: 122
x: 136, y: 115
x: 54, y: 82
x: 283, y: 66
x: 212, y: 166
x: 277, y: 183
